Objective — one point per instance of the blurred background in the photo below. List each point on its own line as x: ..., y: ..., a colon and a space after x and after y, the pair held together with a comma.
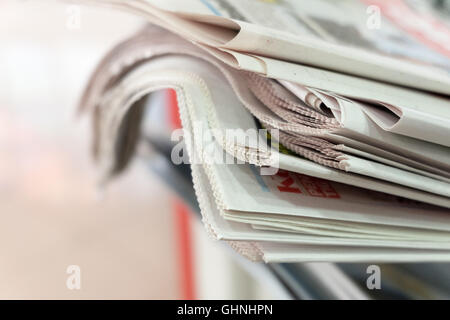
x: 52, y: 213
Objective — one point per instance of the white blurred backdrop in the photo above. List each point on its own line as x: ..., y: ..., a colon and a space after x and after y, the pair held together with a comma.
x: 51, y: 213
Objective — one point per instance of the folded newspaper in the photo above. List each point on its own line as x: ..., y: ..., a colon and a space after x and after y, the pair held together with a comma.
x: 304, y: 145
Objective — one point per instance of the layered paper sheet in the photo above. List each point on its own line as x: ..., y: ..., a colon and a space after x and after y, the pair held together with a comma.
x: 340, y: 149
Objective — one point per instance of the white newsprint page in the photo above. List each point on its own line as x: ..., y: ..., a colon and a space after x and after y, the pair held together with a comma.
x: 312, y: 135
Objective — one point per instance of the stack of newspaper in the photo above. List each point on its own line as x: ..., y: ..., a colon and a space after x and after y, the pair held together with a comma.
x: 316, y: 130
